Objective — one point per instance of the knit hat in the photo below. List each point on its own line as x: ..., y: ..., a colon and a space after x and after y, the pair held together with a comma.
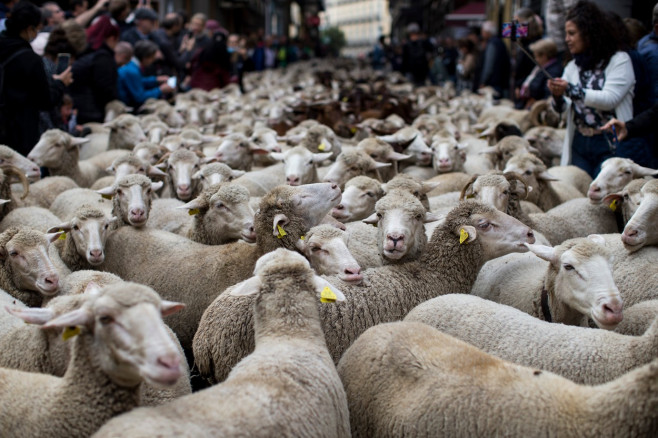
x: 146, y: 14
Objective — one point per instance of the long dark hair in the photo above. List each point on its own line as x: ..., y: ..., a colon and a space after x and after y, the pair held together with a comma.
x: 23, y: 15
x: 597, y: 34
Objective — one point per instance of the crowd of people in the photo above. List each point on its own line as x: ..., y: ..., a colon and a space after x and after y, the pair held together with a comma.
x: 598, y: 72
x: 115, y: 53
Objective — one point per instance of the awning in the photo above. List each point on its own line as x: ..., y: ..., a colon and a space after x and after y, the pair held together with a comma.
x: 471, y: 12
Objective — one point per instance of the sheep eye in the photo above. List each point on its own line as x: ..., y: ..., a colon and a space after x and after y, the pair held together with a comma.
x: 506, y: 192
x: 567, y: 267
x: 230, y: 178
x: 354, y: 169
x: 419, y: 216
x: 76, y: 228
x: 484, y: 225
x: 626, y: 197
x: 416, y: 193
x: 203, y: 177
x: 370, y: 194
x: 148, y: 192
x: 310, y: 162
x: 196, y: 166
x: 379, y: 215
x: 220, y: 205
x: 13, y: 253
x: 627, y: 172
x: 315, y: 249
x: 141, y: 169
x: 106, y: 319
x: 106, y: 226
x: 120, y: 192
x: 528, y: 172
x: 374, y: 156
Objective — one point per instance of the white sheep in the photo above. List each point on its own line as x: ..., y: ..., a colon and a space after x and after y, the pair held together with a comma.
x: 9, y: 157
x: 68, y: 202
x: 287, y: 387
x: 119, y: 340
x: 638, y: 318
x: 181, y: 165
x: 641, y: 228
x: 353, y: 163
x: 407, y: 378
x: 325, y: 247
x: 386, y: 294
x: 574, y: 282
x: 131, y: 199
x: 300, y: 164
x: 128, y: 165
x: 358, y: 200
x: 213, y: 173
x: 581, y: 354
x: 220, y: 214
x: 237, y: 152
x: 614, y: 175
x: 37, y: 218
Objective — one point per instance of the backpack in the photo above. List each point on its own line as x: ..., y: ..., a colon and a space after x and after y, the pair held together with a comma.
x: 3, y: 118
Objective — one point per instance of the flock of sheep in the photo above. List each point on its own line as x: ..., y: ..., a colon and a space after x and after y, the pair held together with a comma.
x: 365, y: 271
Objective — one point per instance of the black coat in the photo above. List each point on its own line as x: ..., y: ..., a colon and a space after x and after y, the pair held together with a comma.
x: 94, y: 83
x: 538, y: 87
x: 26, y: 92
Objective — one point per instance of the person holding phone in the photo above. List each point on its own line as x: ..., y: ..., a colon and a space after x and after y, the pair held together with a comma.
x: 133, y: 88
x: 596, y: 86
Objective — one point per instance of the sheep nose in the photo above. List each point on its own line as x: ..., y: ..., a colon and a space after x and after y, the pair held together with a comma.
x: 631, y: 232
x: 292, y: 180
x: 339, y: 207
x: 395, y: 238
x: 353, y: 270
x: 613, y: 312
x: 137, y: 212
x: 219, y: 156
x: 96, y: 253
x: 334, y: 186
x: 52, y: 281
x: 595, y: 188
x: 170, y: 362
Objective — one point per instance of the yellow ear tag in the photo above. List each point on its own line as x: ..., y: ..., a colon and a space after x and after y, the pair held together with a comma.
x: 345, y: 99
x: 322, y: 147
x: 62, y: 236
x: 327, y: 295
x: 106, y: 196
x: 70, y: 332
x: 353, y: 130
x: 613, y: 205
x: 282, y: 232
x: 193, y: 211
x: 463, y: 236
x: 302, y: 237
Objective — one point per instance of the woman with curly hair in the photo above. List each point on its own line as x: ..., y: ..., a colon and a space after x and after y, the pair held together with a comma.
x: 596, y: 86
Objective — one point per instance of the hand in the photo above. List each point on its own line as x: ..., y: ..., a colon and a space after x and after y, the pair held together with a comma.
x: 166, y: 88
x: 66, y: 77
x: 557, y: 86
x: 620, y: 127
x: 100, y: 4
x: 162, y: 78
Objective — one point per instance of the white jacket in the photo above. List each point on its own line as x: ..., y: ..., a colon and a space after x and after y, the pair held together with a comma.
x: 617, y: 95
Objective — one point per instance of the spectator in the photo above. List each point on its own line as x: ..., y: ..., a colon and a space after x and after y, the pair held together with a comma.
x: 466, y: 64
x: 145, y: 25
x: 83, y: 14
x: 596, y: 86
x: 95, y: 71
x: 636, y: 30
x: 641, y: 125
x: 378, y: 54
x: 58, y: 42
x: 449, y: 58
x: 524, y: 65
x: 133, y: 88
x: 269, y: 52
x: 25, y: 90
x: 495, y: 61
x: 211, y: 69
x: 556, y: 11
x: 195, y: 40
x: 648, y: 48
x: 534, y: 87
x: 123, y: 53
x: 5, y: 7
x: 52, y: 15
x: 415, y: 52
x: 119, y: 11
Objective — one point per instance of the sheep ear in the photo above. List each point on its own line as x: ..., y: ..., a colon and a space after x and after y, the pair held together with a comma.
x: 51, y: 237
x: 156, y: 185
x: 372, y: 219
x: 66, y: 227
x: 616, y: 198
x: 154, y: 171
x: 110, y: 170
x: 379, y: 165
x: 318, y: 158
x: 542, y: 251
x: 432, y: 217
x: 78, y: 141
x: 279, y: 221
x: 4, y: 201
x: 74, y: 318
x: 237, y: 173
x: 321, y: 284
x: 247, y: 287
x: 278, y: 156
x: 489, y: 150
x: 466, y: 234
x: 429, y: 186
x: 208, y: 160
x: 194, y: 206
x: 170, y: 307
x: 107, y: 191
x: 396, y: 156
x: 643, y: 171
x: 544, y: 175
x: 597, y: 238
x: 32, y: 315
x: 301, y: 245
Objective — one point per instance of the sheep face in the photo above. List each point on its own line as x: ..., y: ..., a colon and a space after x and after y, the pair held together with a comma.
x: 132, y: 196
x: 25, y: 256
x: 641, y: 229
x: 52, y: 146
x: 265, y: 138
x: 614, y: 175
x: 130, y: 340
x: 499, y: 233
x: 9, y: 157
x: 548, y: 141
x: 325, y: 248
x: 181, y: 165
x: 149, y: 152
x: 126, y: 131
x: 358, y: 200
x: 350, y: 164
x: 89, y: 233
x: 494, y: 190
x: 629, y: 198
x: 582, y: 273
x: 533, y: 172
x: 215, y: 173
x: 157, y: 132
x: 449, y: 156
x: 236, y: 152
x: 299, y: 165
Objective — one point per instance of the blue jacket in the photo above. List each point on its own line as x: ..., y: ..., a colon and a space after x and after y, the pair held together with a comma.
x: 648, y: 48
x: 133, y: 88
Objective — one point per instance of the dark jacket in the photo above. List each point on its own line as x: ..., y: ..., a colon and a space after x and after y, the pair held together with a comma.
x: 495, y: 66
x: 26, y: 92
x: 415, y: 59
x: 538, y: 88
x: 648, y: 48
x: 644, y: 123
x: 642, y: 92
x: 169, y: 65
x: 95, y: 83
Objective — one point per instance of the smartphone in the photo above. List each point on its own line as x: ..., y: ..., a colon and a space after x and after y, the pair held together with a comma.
x: 515, y: 30
x: 172, y: 82
x: 63, y: 62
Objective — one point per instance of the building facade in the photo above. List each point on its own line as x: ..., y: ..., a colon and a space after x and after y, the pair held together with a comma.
x: 362, y: 22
